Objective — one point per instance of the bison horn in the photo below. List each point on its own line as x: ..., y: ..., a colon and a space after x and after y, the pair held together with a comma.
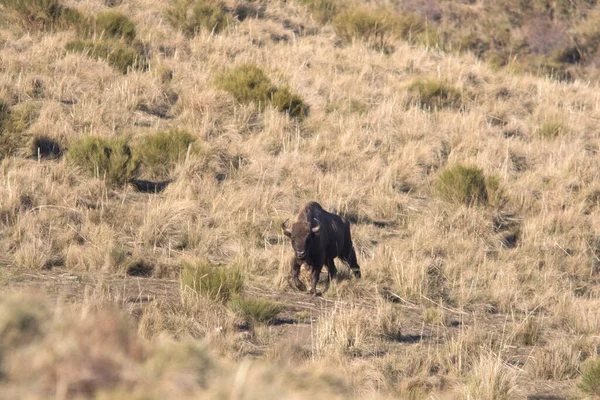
x: 286, y: 231
x: 316, y: 228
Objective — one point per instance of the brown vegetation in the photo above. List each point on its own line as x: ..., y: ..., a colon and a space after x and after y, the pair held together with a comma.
x: 472, y: 189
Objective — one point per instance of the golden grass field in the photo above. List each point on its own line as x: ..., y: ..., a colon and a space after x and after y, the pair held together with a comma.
x: 496, y: 297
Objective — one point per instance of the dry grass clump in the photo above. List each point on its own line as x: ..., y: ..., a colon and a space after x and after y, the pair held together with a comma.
x: 559, y: 360
x: 529, y: 332
x: 14, y: 121
x: 255, y: 310
x: 161, y: 152
x: 218, y: 283
x: 491, y: 379
x: 352, y: 331
x: 190, y: 16
x: 432, y: 94
x: 249, y: 84
x: 380, y: 27
x: 110, y: 159
x: 22, y: 320
x: 323, y: 11
x: 468, y: 185
x: 551, y: 129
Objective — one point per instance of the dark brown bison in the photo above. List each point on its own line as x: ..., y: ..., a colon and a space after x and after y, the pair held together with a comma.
x: 317, y: 238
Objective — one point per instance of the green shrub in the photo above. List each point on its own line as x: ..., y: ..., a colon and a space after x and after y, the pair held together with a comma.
x: 43, y: 15
x: 114, y: 25
x: 249, y: 84
x: 160, y: 152
x: 590, y: 378
x: 111, y: 159
x: 434, y: 94
x: 253, y: 311
x: 550, y: 129
x: 462, y: 184
x: 323, y: 11
x: 286, y: 101
x: 204, y: 14
x: 119, y: 55
x: 218, y: 283
x: 39, y: 14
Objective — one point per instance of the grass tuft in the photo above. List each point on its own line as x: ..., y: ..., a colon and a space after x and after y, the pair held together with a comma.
x: 161, y: 152
x: 463, y: 185
x: 380, y: 27
x: 114, y: 25
x: 551, y: 129
x: 590, y: 378
x: 249, y: 84
x: 434, y: 94
x: 323, y: 11
x: 217, y: 283
x: 192, y: 16
x: 286, y: 101
x: 119, y: 55
x: 255, y: 310
x: 111, y: 159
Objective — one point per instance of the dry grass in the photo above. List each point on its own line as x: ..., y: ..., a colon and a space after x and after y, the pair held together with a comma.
x: 468, y: 293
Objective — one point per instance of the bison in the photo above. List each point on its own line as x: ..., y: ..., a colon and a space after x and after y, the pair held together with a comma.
x: 317, y: 238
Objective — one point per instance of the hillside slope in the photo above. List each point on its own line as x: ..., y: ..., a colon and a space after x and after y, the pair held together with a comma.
x: 129, y: 160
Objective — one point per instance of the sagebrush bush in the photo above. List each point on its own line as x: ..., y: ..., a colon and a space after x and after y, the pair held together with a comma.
x: 434, y: 94
x: 190, y: 16
x: 249, y: 84
x: 217, y: 283
x: 323, y: 11
x: 255, y: 310
x: 118, y: 54
x: 590, y: 378
x: 462, y: 184
x: 111, y: 159
x: 160, y: 152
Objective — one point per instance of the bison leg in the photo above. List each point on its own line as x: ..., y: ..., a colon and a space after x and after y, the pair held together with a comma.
x: 314, y: 279
x: 331, y: 269
x: 351, y: 260
x: 295, y: 266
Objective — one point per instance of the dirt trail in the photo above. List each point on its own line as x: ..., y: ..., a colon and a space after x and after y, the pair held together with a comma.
x: 296, y: 322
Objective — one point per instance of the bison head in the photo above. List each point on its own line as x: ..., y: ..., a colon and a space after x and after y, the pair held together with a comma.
x: 302, y: 235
